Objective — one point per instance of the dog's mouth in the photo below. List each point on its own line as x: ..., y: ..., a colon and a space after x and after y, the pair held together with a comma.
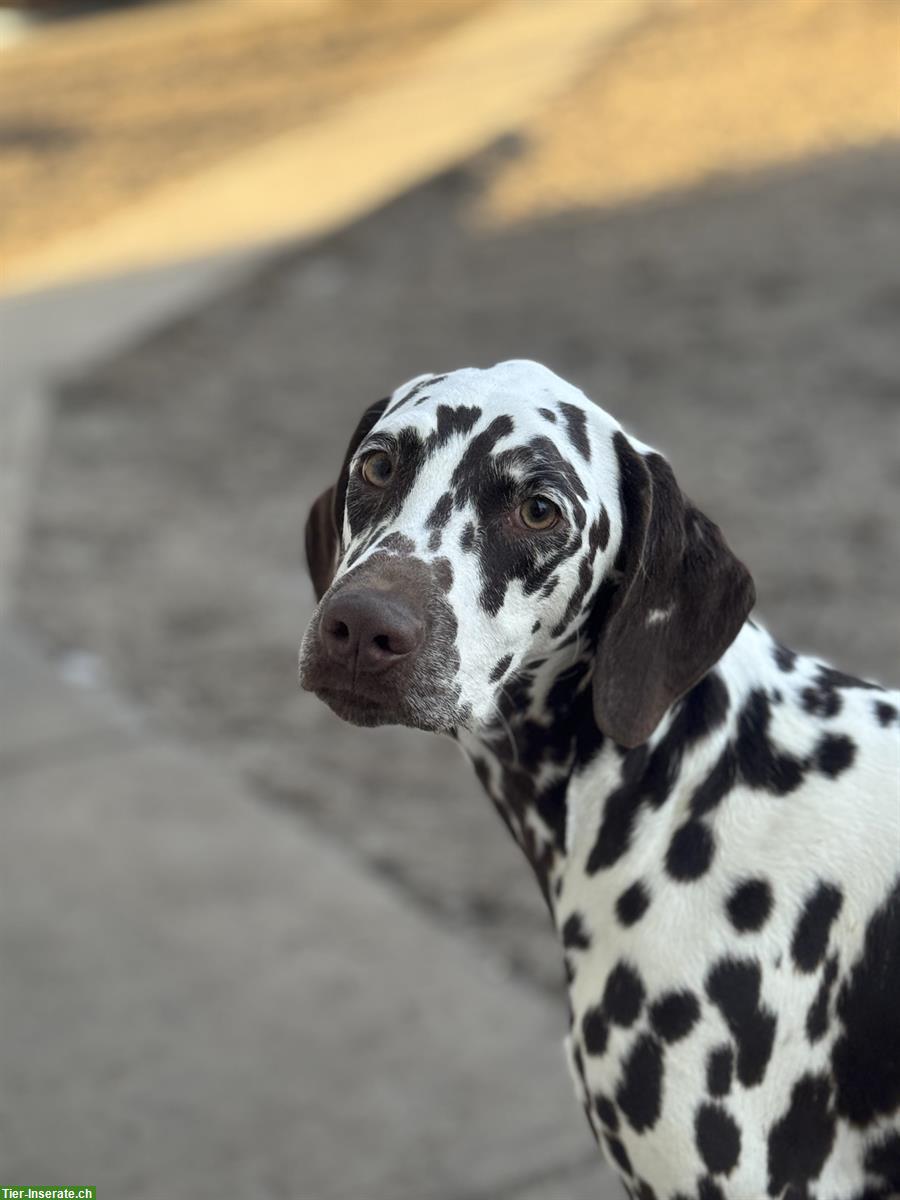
x: 357, y: 701
x: 359, y: 708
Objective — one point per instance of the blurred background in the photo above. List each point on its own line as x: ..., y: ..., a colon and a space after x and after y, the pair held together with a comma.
x: 244, y: 947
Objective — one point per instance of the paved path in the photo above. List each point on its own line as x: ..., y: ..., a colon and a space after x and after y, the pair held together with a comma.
x: 202, y: 997
x: 45, y: 336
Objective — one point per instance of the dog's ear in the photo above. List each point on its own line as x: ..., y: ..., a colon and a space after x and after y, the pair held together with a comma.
x: 322, y: 542
x: 682, y: 597
x: 326, y: 517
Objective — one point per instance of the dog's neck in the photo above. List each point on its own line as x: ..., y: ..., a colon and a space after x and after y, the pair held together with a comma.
x: 530, y: 758
x: 525, y: 757
x: 544, y: 728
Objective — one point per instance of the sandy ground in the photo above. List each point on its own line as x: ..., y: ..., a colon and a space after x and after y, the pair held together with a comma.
x: 135, y: 137
x: 706, y: 88
x: 372, y: 141
x: 95, y: 115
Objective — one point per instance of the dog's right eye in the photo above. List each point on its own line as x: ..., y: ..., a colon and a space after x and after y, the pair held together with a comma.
x: 538, y: 513
x: 377, y: 468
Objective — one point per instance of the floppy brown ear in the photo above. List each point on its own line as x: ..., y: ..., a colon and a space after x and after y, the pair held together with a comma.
x: 326, y: 517
x: 680, y: 603
x: 322, y: 542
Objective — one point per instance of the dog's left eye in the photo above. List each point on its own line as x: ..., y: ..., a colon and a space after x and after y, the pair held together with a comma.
x: 538, y: 513
x: 377, y: 468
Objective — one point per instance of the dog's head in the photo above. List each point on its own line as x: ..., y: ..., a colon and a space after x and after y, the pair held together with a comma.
x: 484, y: 520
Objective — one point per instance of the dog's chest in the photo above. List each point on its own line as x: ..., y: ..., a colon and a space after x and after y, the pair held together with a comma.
x: 716, y: 1025
x: 682, y: 1046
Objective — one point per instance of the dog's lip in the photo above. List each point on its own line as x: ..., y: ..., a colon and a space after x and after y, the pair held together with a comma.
x: 351, y: 697
x: 353, y: 691
x: 361, y: 708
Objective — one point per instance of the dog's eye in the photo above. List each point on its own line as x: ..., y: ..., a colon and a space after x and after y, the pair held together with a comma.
x: 378, y: 468
x: 538, y: 513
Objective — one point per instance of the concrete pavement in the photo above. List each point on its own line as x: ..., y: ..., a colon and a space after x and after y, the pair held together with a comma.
x: 45, y: 336
x: 202, y: 996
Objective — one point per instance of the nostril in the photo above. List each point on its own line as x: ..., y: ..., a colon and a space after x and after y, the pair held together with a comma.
x: 396, y: 643
x: 370, y: 629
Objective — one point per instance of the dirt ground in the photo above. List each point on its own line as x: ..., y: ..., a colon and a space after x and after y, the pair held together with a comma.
x: 748, y: 328
x: 704, y: 88
x: 96, y: 114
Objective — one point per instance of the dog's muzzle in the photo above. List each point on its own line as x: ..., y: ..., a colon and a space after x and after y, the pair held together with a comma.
x: 380, y: 650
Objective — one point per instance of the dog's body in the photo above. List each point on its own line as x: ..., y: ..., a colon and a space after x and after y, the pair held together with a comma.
x: 713, y: 820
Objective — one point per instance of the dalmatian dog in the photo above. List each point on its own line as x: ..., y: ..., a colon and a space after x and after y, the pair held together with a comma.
x: 713, y: 819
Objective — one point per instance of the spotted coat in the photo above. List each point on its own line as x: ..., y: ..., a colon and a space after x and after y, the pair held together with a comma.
x: 713, y: 819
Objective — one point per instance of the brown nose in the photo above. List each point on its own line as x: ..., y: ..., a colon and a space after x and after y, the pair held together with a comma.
x: 372, y: 629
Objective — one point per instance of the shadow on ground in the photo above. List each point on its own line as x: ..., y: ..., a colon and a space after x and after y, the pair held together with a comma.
x: 747, y: 329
